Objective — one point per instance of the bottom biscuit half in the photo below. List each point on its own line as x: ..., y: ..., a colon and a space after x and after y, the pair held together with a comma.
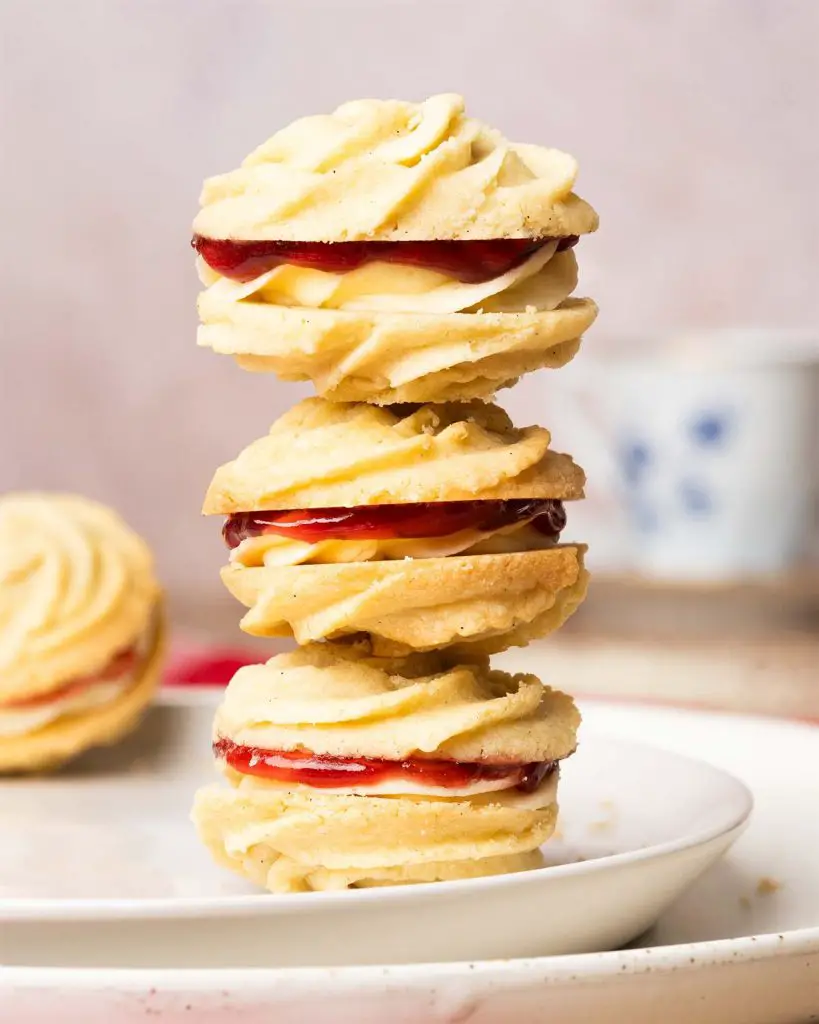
x: 67, y: 737
x: 288, y: 841
x: 485, y: 603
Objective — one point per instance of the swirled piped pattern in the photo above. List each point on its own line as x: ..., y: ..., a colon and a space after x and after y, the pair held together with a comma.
x: 392, y: 170
x: 76, y: 588
x: 385, y: 358
x: 488, y: 602
x: 323, y: 454
x: 337, y: 699
x: 290, y: 841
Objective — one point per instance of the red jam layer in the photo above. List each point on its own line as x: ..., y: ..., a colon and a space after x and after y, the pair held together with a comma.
x: 391, y: 522
x: 120, y: 665
x: 470, y: 261
x: 324, y: 771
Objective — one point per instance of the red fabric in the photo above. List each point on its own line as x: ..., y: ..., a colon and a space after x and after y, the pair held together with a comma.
x: 207, y: 668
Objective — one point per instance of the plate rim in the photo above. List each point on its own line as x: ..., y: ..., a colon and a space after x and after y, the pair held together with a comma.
x: 15, y: 910
x: 559, y: 968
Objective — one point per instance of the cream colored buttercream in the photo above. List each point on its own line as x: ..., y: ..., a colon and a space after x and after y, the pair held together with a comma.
x: 84, y: 694
x: 541, y: 282
x: 274, y: 549
x: 17, y: 721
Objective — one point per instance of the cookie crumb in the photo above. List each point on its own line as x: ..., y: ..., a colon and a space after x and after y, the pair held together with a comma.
x: 765, y: 886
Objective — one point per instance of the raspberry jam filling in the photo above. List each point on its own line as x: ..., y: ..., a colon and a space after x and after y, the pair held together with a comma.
x: 119, y: 666
x: 392, y: 522
x: 469, y: 261
x: 324, y: 771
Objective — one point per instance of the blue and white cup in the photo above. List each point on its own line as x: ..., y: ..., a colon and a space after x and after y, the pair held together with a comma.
x: 716, y: 445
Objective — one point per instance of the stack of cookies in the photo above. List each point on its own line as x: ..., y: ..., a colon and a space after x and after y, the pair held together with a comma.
x: 409, y: 261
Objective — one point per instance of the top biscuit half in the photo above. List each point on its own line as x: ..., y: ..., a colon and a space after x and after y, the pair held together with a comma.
x: 326, y: 454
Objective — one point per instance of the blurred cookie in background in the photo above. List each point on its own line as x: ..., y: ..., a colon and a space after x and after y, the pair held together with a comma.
x: 81, y: 629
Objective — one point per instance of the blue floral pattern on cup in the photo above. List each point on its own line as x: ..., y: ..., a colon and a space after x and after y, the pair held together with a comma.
x: 710, y: 429
x: 651, y: 495
x: 636, y: 458
x: 696, y: 499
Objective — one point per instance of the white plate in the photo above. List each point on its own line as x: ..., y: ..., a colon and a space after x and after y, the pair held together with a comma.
x: 724, y: 954
x: 639, y: 825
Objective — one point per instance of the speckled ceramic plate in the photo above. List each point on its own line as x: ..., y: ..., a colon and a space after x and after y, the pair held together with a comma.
x: 740, y: 947
x: 130, y: 882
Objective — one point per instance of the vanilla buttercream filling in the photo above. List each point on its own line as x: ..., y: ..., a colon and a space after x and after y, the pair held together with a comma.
x: 21, y: 719
x: 540, y: 282
x: 541, y: 796
x: 273, y: 549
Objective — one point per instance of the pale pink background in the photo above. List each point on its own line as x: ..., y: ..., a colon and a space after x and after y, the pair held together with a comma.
x: 695, y: 123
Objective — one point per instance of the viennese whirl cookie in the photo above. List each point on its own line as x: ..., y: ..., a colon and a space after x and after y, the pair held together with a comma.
x: 394, y: 252
x: 80, y: 628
